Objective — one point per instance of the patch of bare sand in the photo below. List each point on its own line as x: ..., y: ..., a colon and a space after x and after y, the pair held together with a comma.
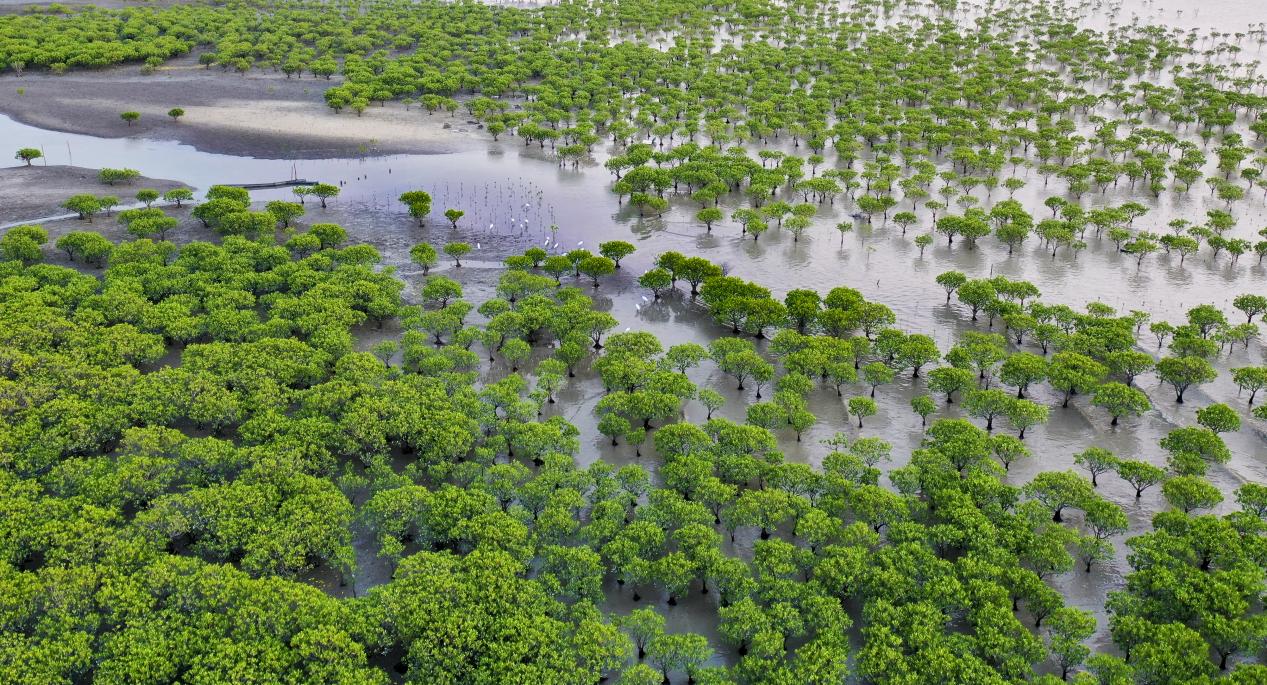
x: 38, y: 191
x: 259, y: 114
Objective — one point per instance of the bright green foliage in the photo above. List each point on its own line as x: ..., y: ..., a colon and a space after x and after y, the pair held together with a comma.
x: 1141, y: 475
x: 192, y: 440
x: 596, y: 268
x: 88, y: 246
x: 28, y: 155
x: 456, y: 251
x: 284, y: 212
x: 1190, y: 492
x: 1219, y: 418
x: 147, y: 196
x: 1096, y: 460
x: 113, y: 176
x: 1184, y: 372
x: 453, y: 215
x: 862, y: 407
x: 949, y: 380
x: 424, y: 255
x: 1022, y: 370
x: 24, y: 244
x: 178, y: 196
x: 1120, y: 400
x: 83, y: 205
x: 924, y: 406
x: 615, y: 250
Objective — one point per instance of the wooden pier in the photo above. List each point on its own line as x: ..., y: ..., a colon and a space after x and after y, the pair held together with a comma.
x: 275, y: 184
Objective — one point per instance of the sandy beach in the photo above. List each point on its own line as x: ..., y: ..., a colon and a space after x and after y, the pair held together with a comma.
x: 259, y: 114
